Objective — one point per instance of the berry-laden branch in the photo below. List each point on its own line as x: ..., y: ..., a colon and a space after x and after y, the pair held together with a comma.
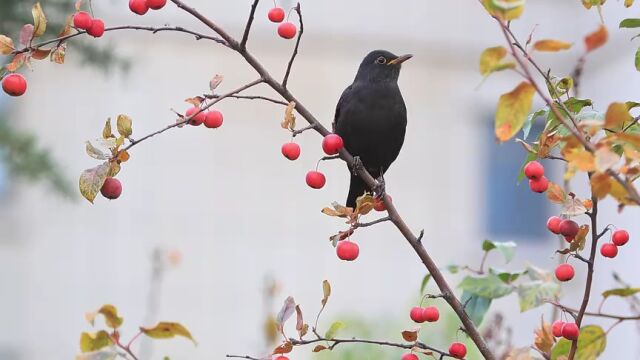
x: 574, y: 312
x: 396, y: 219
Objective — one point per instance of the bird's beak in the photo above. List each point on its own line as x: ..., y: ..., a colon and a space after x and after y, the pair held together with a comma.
x: 400, y: 59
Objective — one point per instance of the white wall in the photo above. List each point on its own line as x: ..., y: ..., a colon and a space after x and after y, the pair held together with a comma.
x: 237, y: 210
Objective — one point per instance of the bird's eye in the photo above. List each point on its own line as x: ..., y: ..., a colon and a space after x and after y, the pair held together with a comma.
x: 381, y: 60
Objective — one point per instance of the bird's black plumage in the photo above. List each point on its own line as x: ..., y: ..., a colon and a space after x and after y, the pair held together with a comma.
x: 371, y: 117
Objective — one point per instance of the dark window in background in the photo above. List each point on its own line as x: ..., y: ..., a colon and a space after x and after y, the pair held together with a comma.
x: 512, y: 210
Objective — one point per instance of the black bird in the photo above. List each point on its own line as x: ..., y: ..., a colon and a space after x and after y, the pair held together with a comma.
x: 371, y: 117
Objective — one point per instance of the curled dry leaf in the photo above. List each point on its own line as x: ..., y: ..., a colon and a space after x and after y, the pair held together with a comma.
x: 26, y: 34
x: 215, y: 82
x: 597, y: 38
x: 319, y: 348
x: 301, y: 327
x: 544, y: 339
x: 167, y: 330
x: 573, y: 207
x: 195, y: 101
x: 58, y: 54
x: 285, y: 312
x: 364, y: 204
x: 289, y: 121
x: 284, y: 348
x: 326, y: 292
x: 338, y: 210
x: 6, y: 45
x: 555, y: 194
x: 39, y: 20
x: 411, y: 335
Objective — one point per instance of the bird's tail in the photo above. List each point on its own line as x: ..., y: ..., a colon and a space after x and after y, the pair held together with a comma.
x: 356, y: 189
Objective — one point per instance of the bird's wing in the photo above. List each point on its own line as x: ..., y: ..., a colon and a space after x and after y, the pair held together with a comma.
x: 345, y: 94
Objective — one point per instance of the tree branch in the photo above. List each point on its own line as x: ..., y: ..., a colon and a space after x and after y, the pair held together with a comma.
x: 367, y: 224
x: 335, y: 342
x: 285, y: 80
x: 247, y: 28
x: 249, y: 97
x: 595, y: 314
x: 154, y: 30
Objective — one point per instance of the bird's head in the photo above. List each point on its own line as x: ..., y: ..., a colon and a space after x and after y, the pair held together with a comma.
x: 381, y: 66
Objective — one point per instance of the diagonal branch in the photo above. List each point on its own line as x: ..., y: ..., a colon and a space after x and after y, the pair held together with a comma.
x: 285, y: 80
x: 249, y: 97
x: 247, y: 28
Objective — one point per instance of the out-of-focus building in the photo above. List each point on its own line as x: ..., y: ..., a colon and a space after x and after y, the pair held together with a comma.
x: 237, y: 210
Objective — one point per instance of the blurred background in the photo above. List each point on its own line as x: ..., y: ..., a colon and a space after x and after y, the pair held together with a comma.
x: 215, y: 228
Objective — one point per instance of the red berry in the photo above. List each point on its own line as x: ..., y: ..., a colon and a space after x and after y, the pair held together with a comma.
x: 347, y: 250
x: 291, y: 151
x: 533, y: 170
x: 430, y: 314
x: 409, y: 356
x: 138, y: 6
x: 197, y: 119
x: 14, y: 84
x: 620, y: 237
x: 556, y: 328
x: 282, y: 358
x: 553, y: 224
x: 416, y: 314
x: 458, y: 350
x: 276, y: 14
x: 82, y: 20
x: 570, y: 331
x: 332, y: 144
x: 156, y: 4
x: 378, y: 204
x: 316, y: 179
x: 569, y: 228
x: 569, y: 239
x: 111, y: 189
x: 539, y: 185
x: 609, y: 250
x: 565, y: 272
x: 213, y: 119
x: 97, y: 28
x: 287, y: 30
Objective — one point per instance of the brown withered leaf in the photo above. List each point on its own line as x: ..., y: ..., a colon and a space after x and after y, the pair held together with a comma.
x: 16, y: 63
x: 597, y: 38
x: 319, y: 348
x: 301, y: 327
x: 411, y: 335
x: 520, y: 354
x: 338, y: 210
x: 546, y: 142
x: 544, y: 339
x: 526, y: 146
x: 573, y: 207
x: 6, y: 45
x: 364, y: 204
x: 39, y: 20
x: 284, y: 348
x: 555, y: 194
x: 215, y: 82
x: 289, y: 121
x: 195, y: 101
x: 578, y: 242
x: 588, y: 203
x: 341, y: 235
x: 66, y: 29
x: 58, y: 54
x: 40, y: 54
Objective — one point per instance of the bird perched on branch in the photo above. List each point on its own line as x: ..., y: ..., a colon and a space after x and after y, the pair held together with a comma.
x: 371, y: 117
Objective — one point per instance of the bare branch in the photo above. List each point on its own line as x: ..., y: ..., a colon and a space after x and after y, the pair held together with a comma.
x: 595, y: 314
x: 249, y: 97
x: 247, y: 28
x: 285, y: 80
x: 367, y: 224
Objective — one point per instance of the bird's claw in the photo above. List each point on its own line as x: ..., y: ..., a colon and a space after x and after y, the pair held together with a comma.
x: 357, y: 165
x: 379, y: 187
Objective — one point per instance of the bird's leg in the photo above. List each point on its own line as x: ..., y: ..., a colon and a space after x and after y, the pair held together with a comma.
x: 357, y: 165
x: 379, y: 187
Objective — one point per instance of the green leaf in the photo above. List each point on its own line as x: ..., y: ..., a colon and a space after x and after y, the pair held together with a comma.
x: 506, y: 276
x: 94, y: 341
x: 333, y: 329
x: 490, y: 60
x: 576, y: 105
x: 91, y: 180
x: 124, y: 125
x: 529, y: 122
x: 105, y: 354
x: 530, y: 157
x: 534, y: 294
x: 453, y: 268
x: 489, y: 286
x: 591, y: 343
x: 475, y: 306
x: 637, y: 61
x: 512, y: 111
x: 630, y: 23
x: 423, y: 285
x: 508, y: 249
x: 167, y: 330
x: 622, y: 292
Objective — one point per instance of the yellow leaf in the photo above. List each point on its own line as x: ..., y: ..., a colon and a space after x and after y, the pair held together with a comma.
x: 628, y: 3
x: 326, y: 292
x: 111, y: 317
x: 597, y: 38
x: 106, y: 131
x: 490, y: 60
x: 91, y: 181
x: 580, y: 239
x: 94, y: 341
x: 555, y: 194
x: 6, y: 45
x: 513, y: 108
x: 289, y: 117
x: 124, y: 125
x: 621, y: 194
x: 364, y: 204
x: 605, y: 158
x: 39, y: 20
x: 581, y: 159
x: 167, y: 330
x: 617, y: 116
x: 551, y: 45
x: 123, y: 156
x: 504, y: 9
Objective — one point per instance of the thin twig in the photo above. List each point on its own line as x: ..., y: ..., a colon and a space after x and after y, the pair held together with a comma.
x: 249, y: 97
x: 367, y: 224
x: 295, y: 49
x: 247, y: 28
x: 595, y: 314
x: 295, y: 133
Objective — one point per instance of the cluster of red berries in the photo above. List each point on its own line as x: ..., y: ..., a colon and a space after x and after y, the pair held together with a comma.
x: 14, y: 84
x: 212, y: 118
x: 534, y: 171
x: 83, y: 21
x: 569, y: 331
x: 111, y: 189
x: 331, y: 144
x: 141, y: 7
x: 286, y: 30
x: 422, y: 314
x: 618, y: 238
x: 565, y: 227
